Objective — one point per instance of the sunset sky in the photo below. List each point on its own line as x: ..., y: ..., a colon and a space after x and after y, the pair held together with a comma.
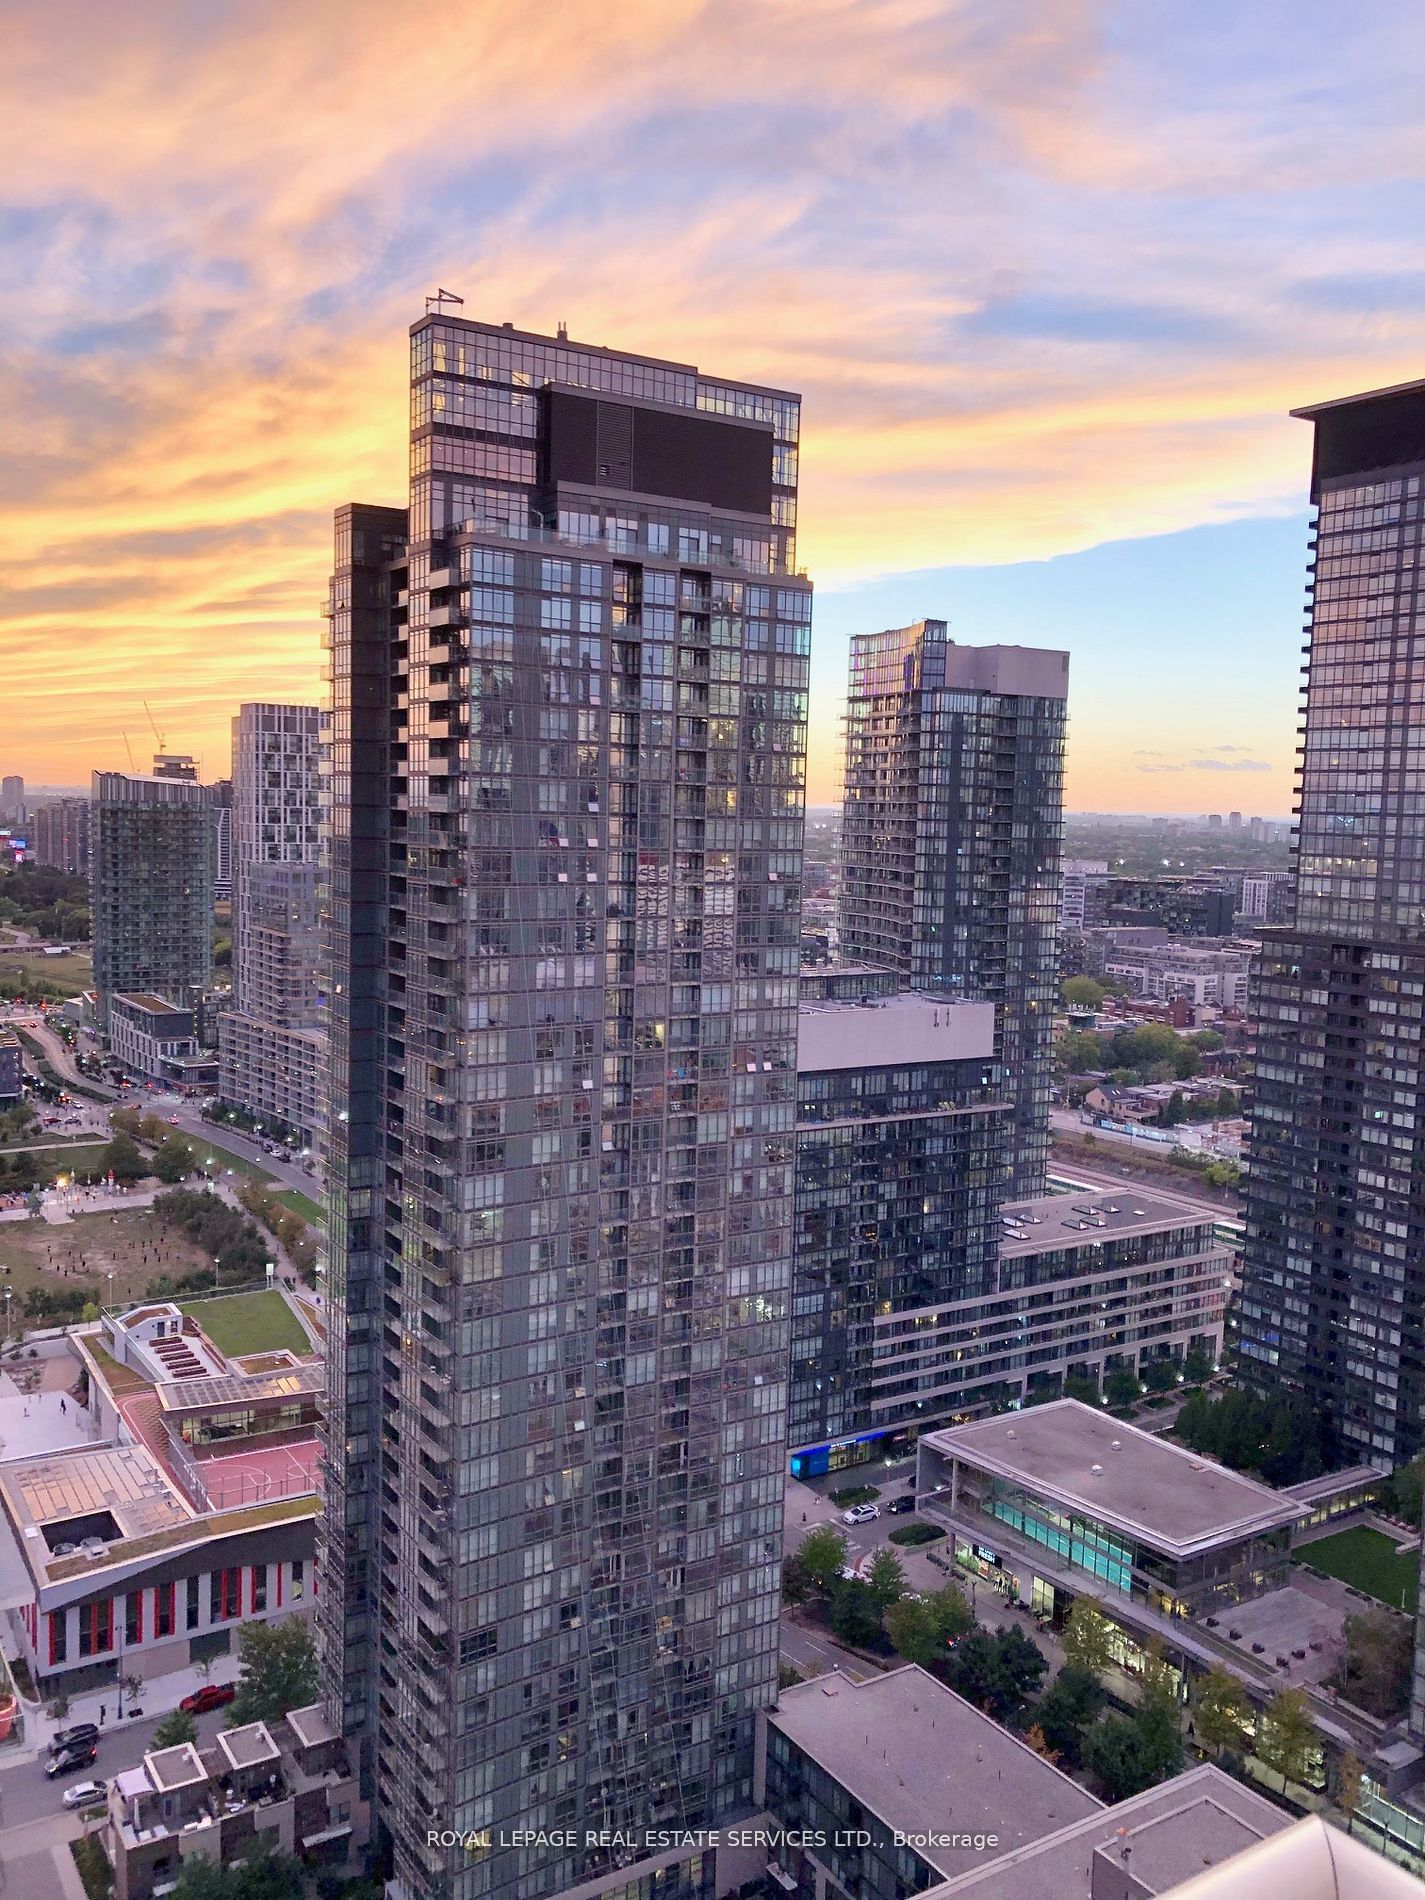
x: 1049, y: 273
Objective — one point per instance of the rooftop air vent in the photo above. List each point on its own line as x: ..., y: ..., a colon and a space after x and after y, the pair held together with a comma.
x: 1097, y: 1470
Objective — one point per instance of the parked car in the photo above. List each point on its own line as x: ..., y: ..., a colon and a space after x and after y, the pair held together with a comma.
x: 82, y: 1734
x: 213, y: 1695
x: 861, y: 1514
x: 903, y: 1503
x: 84, y: 1794
x: 83, y: 1755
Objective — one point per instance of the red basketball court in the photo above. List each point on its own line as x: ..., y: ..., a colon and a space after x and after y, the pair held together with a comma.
x: 251, y: 1477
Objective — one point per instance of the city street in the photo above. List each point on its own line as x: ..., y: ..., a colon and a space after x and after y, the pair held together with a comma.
x: 27, y: 1794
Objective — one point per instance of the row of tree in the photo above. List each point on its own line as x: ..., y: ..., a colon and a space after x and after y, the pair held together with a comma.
x: 1069, y: 1721
x: 1281, y: 1436
x: 1148, y: 1052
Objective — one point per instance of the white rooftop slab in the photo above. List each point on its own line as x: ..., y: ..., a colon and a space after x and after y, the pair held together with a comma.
x: 248, y: 1746
x: 1077, y: 1220
x: 311, y: 1727
x: 1079, y: 1458
x: 925, y: 1761
x: 892, y: 1029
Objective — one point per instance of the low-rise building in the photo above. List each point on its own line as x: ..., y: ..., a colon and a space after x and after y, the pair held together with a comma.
x: 895, y: 1788
x: 1083, y: 1283
x: 1069, y: 1497
x: 158, y: 1040
x: 287, y: 1786
x: 126, y: 1576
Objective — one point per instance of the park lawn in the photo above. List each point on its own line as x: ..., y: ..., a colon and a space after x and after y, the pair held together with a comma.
x: 249, y: 1322
x: 71, y: 973
x: 204, y: 1149
x: 302, y: 1204
x: 1367, y: 1560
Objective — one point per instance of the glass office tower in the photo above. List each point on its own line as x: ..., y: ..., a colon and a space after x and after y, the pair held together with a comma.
x: 1333, y: 1295
x: 566, y: 805
x: 952, y: 835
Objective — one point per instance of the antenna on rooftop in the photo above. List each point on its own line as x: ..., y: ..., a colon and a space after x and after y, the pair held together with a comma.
x: 437, y: 303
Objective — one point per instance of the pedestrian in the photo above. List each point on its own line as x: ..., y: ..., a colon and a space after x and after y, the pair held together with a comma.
x: 103, y: 1711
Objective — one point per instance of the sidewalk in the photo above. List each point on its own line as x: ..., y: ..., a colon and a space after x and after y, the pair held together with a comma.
x: 158, y: 1696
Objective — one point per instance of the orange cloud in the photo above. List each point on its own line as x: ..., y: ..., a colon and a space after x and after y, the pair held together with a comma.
x: 956, y: 229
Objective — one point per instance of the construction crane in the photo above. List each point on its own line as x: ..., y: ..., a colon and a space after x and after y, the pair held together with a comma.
x: 154, y: 723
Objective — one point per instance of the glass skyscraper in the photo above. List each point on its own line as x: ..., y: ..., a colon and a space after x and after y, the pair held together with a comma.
x: 952, y: 834
x: 567, y: 753
x: 1333, y: 1295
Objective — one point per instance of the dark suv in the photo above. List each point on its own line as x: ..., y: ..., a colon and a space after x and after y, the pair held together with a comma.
x: 903, y: 1503
x: 81, y: 1735
x: 77, y: 1755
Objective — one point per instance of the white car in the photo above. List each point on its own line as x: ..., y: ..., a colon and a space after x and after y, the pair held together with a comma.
x: 84, y: 1794
x: 861, y: 1514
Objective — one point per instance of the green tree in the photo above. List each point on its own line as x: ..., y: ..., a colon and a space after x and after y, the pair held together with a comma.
x: 1205, y: 1039
x: 1068, y: 1709
x: 951, y: 1610
x: 1348, y: 1784
x: 1122, y: 1387
x: 1197, y: 1365
x: 1158, y: 1720
x: 1078, y: 1050
x: 1088, y: 1637
x: 998, y: 1673
x: 1380, y: 1651
x: 1186, y: 1062
x: 1161, y: 1375
x: 277, y: 1671
x: 1221, y: 1707
x: 796, y: 1584
x: 172, y: 1162
x: 1227, y: 1102
x: 886, y: 1578
x: 1173, y: 1111
x: 1113, y: 1754
x: 176, y: 1727
x: 914, y: 1634
x: 1400, y: 1492
x: 1286, y: 1735
x: 822, y: 1556
x: 1084, y: 1388
x: 856, y: 1614
x: 122, y: 1159
x: 1081, y: 992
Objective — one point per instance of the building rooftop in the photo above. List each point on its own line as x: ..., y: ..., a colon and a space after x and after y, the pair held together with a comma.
x: 1171, y: 1833
x: 311, y: 1727
x: 178, y: 1767
x: 248, y: 1746
x: 154, y: 1005
x: 923, y: 1759
x: 241, y: 1388
x: 892, y: 1029
x: 1079, y: 1458
x: 1076, y: 1220
x: 72, y: 1507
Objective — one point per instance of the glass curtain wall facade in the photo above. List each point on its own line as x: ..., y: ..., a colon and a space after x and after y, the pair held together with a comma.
x: 952, y: 833
x: 898, y: 1207
x: 567, y: 791
x: 151, y: 889
x: 1333, y: 1300
x: 272, y: 1042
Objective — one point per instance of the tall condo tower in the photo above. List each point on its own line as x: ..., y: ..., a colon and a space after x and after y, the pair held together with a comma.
x: 1333, y: 1295
x: 151, y: 889
x: 568, y: 694
x: 272, y: 1043
x: 952, y: 833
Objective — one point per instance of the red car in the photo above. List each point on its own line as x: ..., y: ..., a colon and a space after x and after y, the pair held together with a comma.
x: 217, y: 1695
